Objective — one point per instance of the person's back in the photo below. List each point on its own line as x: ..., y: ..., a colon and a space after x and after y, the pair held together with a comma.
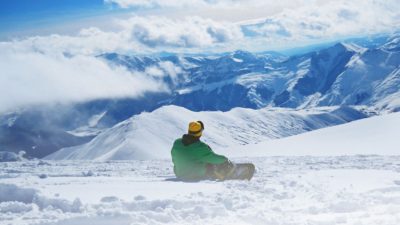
x: 192, y: 157
x: 194, y: 160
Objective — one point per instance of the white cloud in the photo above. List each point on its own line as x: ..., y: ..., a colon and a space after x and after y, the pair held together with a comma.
x: 191, y: 32
x: 160, y: 3
x: 33, y: 78
x: 226, y: 10
x: 165, y: 69
x: 142, y: 35
x: 324, y: 21
x: 171, y: 69
x: 155, y: 71
x: 293, y: 23
x: 90, y: 41
x: 220, y: 4
x: 279, y: 23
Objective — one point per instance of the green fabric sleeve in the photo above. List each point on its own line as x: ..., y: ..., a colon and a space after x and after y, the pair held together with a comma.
x: 208, y: 156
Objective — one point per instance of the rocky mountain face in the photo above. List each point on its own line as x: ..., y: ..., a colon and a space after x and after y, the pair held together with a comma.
x: 343, y: 74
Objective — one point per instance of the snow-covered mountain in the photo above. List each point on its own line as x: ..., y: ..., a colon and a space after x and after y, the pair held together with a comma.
x: 35, y: 133
x: 372, y: 136
x: 150, y: 135
x: 342, y: 74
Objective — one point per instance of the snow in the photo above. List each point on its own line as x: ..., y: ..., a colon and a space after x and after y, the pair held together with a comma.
x: 150, y: 135
x: 94, y: 120
x: 11, y: 156
x: 345, y: 174
x: 369, y: 77
x: 91, y: 129
x: 387, y: 96
x: 285, y: 190
x: 237, y: 60
x: 343, y: 74
x: 376, y: 135
x: 354, y: 47
x: 12, y: 193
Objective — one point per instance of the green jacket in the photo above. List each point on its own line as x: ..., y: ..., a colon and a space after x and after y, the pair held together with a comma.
x: 191, y: 156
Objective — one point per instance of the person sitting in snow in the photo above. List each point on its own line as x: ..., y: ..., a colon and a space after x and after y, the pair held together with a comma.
x: 195, y: 160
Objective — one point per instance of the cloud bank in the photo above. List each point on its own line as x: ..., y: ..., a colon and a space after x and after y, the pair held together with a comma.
x: 220, y: 4
x: 309, y: 21
x: 331, y: 19
x: 281, y: 22
x: 192, y: 32
x: 64, y: 68
x: 33, y: 78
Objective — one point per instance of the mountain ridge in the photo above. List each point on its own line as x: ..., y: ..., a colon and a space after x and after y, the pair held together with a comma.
x: 149, y: 135
x: 344, y: 74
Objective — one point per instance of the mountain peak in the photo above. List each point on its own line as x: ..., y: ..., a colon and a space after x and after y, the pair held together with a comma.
x: 393, y: 43
x: 352, y: 47
x: 241, y: 54
x: 347, y: 46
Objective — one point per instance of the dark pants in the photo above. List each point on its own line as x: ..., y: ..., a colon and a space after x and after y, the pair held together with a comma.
x: 219, y: 171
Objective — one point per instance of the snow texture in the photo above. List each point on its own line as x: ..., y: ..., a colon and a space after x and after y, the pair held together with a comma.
x: 285, y: 190
x: 150, y: 135
x: 345, y: 188
x: 377, y: 135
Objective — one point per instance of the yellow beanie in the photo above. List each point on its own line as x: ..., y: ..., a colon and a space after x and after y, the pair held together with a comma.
x: 196, y: 128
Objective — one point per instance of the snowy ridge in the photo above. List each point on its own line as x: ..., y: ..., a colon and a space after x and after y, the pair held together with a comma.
x: 150, y: 135
x: 376, y: 135
x: 342, y: 74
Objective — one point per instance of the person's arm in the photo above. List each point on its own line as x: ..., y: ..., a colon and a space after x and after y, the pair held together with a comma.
x: 208, y: 156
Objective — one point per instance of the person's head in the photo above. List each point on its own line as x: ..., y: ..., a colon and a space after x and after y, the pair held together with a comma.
x: 196, y: 128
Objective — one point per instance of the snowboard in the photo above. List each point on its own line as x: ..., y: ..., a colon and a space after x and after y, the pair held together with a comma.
x: 240, y: 171
x: 227, y: 171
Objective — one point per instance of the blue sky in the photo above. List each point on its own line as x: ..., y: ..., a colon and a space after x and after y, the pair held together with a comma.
x: 29, y: 17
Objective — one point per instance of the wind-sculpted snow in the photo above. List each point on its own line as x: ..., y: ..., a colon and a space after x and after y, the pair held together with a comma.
x: 150, y: 135
x: 363, y: 189
x: 14, y: 199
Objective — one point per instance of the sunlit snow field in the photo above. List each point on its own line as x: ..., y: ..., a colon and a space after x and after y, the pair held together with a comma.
x: 94, y: 93
x: 320, y: 179
x: 285, y: 190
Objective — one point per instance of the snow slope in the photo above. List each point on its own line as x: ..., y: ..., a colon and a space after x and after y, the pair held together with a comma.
x: 150, y: 135
x: 350, y: 190
x: 377, y: 135
x: 357, y: 187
